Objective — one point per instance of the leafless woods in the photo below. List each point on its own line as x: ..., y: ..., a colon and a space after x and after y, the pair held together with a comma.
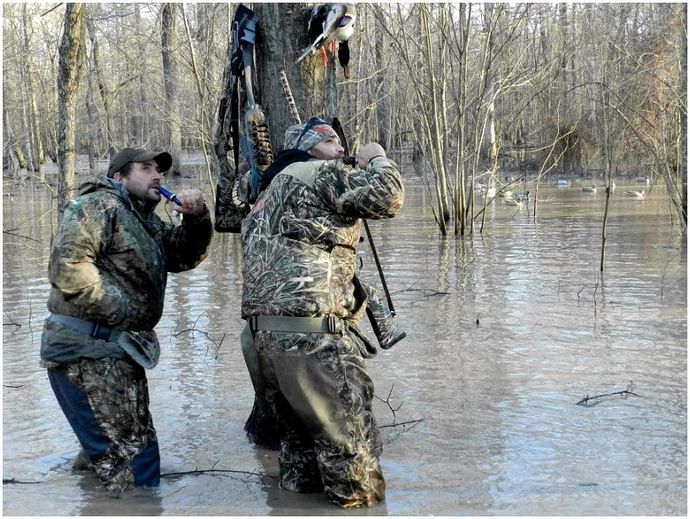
x: 457, y: 89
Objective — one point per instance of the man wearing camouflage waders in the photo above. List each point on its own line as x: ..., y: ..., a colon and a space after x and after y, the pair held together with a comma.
x: 299, y: 243
x: 108, y: 271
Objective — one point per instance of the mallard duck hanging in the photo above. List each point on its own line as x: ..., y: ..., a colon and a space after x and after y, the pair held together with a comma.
x: 328, y: 24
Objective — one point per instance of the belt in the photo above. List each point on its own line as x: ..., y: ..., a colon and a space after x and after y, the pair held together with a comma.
x: 96, y: 330
x: 283, y: 323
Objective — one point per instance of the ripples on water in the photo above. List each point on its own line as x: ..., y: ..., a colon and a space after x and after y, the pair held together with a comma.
x: 506, y: 332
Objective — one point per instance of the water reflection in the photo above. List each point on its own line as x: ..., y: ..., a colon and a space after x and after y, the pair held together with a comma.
x: 506, y: 332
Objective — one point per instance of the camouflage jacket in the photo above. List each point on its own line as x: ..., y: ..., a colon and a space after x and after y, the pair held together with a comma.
x: 299, y: 241
x: 109, y: 262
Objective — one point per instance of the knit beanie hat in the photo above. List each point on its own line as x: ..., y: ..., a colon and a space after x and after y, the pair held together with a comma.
x: 307, y: 135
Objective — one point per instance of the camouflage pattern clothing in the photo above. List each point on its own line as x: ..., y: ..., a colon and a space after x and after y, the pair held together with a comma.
x: 299, y: 244
x: 110, y: 257
x: 107, y: 402
x: 108, y: 265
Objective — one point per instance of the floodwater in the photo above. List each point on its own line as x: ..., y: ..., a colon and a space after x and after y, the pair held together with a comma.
x: 507, y: 332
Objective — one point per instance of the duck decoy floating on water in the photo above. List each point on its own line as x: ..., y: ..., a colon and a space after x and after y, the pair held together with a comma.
x: 635, y: 194
x: 512, y: 202
x: 328, y: 24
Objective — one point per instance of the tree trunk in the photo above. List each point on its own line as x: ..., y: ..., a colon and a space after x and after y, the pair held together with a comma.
x: 93, y: 11
x: 174, y: 131
x: 280, y: 39
x: 682, y: 158
x: 71, y: 52
x: 140, y: 128
x: 35, y: 141
x: 460, y: 182
x: 383, y: 108
x: 436, y: 137
x: 92, y: 138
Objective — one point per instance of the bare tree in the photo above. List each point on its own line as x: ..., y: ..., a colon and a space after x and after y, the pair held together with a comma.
x: 172, y: 119
x: 34, y: 143
x: 452, y: 89
x: 71, y: 57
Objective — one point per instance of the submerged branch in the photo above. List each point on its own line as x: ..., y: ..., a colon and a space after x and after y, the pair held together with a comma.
x: 204, y: 333
x: 217, y: 471
x: 402, y: 424
x: 426, y: 292
x: 588, y: 400
x: 13, y: 481
x: 394, y: 410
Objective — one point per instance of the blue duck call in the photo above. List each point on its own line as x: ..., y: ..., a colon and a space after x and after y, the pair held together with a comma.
x: 169, y: 195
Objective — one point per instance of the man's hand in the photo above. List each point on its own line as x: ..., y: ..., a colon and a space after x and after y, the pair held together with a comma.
x: 192, y: 201
x: 368, y: 152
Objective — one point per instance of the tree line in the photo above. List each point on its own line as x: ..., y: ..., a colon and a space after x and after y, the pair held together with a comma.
x: 460, y: 89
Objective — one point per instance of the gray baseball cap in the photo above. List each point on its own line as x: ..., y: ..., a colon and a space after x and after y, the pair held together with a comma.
x: 127, y: 155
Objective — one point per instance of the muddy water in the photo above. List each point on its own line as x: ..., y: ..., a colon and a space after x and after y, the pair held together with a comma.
x: 506, y: 333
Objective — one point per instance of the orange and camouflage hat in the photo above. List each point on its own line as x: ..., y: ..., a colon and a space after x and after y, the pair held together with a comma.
x: 307, y: 135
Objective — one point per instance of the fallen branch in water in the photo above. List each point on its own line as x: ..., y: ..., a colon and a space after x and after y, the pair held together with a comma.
x: 426, y: 292
x: 217, y: 471
x: 624, y: 394
x: 204, y: 333
x: 12, y: 324
x: 402, y: 424
x: 393, y: 410
x: 12, y: 481
x: 387, y: 401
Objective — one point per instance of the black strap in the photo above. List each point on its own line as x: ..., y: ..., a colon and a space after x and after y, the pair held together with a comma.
x: 289, y: 324
x: 243, y: 37
x: 99, y: 331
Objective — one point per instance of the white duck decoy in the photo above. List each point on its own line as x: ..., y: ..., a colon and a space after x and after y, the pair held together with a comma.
x: 635, y: 194
x: 512, y: 202
x: 330, y: 23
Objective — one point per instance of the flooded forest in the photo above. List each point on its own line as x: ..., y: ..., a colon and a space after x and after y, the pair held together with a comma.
x: 468, y: 94
x: 538, y: 265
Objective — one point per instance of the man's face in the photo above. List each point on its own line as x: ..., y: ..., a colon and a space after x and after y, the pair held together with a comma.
x: 328, y: 149
x: 143, y: 181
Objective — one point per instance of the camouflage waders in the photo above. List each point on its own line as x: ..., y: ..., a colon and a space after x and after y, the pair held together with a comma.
x: 261, y: 425
x: 299, y: 245
x: 322, y: 396
x: 106, y: 403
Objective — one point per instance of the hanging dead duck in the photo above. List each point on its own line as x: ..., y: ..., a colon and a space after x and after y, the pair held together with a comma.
x: 330, y: 23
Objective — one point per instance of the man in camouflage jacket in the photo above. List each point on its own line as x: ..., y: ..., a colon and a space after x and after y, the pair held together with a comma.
x: 108, y: 270
x: 299, y: 243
